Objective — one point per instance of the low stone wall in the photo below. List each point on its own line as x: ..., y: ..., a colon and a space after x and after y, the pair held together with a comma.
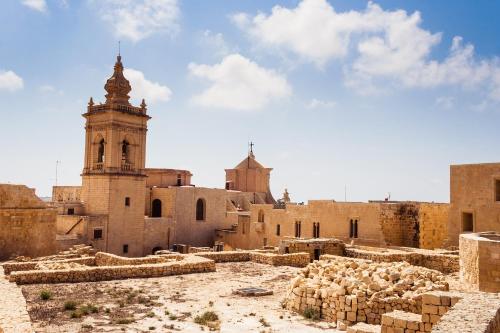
x: 478, y: 313
x: 480, y: 260
x: 294, y: 259
x: 311, y: 245
x: 445, y: 263
x: 190, y: 264
x: 226, y: 256
x: 32, y: 265
x: 193, y: 249
x: 108, y: 259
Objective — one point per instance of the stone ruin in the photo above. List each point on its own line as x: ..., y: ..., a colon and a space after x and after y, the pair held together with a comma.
x: 347, y: 290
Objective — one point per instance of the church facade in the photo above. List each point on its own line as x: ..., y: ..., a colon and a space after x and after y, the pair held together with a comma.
x: 124, y: 208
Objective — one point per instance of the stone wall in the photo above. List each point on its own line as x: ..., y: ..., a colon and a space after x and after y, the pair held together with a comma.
x: 295, y: 259
x: 32, y: 265
x: 480, y: 260
x: 472, y: 190
x: 27, y: 225
x: 479, y: 313
x: 226, y: 256
x: 443, y: 262
x: 190, y: 264
x: 108, y: 259
x: 314, y: 246
x: 400, y: 224
x: 433, y: 224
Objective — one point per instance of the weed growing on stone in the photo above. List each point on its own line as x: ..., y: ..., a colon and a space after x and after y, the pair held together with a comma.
x: 45, y: 295
x: 311, y: 314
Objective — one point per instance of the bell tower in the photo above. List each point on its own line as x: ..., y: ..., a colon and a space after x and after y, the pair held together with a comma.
x: 113, y: 177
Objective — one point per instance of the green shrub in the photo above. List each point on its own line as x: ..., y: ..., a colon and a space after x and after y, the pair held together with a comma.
x: 70, y: 305
x: 125, y: 320
x: 45, y: 295
x: 206, y: 317
x: 311, y: 313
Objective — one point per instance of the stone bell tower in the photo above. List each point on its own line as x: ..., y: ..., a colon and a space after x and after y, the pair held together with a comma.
x: 113, y: 177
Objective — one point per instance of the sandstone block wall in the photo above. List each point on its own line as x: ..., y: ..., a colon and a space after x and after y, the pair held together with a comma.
x: 313, y: 246
x: 32, y: 265
x: 27, y: 225
x: 295, y: 259
x: 480, y: 260
x: 190, y: 264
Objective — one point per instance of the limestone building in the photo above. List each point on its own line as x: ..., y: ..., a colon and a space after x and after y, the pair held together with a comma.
x: 474, y: 199
x: 27, y: 224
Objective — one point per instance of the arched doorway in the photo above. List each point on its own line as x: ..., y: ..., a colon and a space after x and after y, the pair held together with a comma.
x: 156, y: 208
x: 157, y: 248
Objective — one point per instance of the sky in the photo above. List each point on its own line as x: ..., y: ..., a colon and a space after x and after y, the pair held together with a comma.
x: 343, y: 99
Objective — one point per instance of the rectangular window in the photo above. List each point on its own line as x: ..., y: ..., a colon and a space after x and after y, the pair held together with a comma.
x: 497, y: 189
x: 71, y: 211
x: 127, y: 201
x: 97, y: 233
x: 125, y: 248
x: 265, y: 241
x: 467, y: 222
x: 179, y: 180
x: 278, y: 231
x: 297, y: 229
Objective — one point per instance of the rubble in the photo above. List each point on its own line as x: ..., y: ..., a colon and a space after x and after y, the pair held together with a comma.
x: 353, y: 290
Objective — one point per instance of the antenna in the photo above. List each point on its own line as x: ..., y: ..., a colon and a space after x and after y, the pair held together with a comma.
x: 57, y: 164
x: 119, y: 47
x: 345, y: 193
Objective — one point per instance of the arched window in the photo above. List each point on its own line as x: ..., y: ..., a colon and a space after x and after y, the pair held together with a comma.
x: 200, y: 210
x: 261, y: 216
x: 316, y: 230
x: 125, y: 151
x: 156, y: 208
x: 100, y: 152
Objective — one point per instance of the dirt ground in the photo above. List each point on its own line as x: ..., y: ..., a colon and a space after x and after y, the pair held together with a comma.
x: 171, y: 304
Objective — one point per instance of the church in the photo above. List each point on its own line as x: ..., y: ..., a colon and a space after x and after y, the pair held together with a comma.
x: 124, y: 208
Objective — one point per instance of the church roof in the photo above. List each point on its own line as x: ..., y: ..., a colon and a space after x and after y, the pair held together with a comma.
x: 250, y: 163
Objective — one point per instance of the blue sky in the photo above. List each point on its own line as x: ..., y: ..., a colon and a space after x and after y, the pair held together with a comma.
x: 375, y: 97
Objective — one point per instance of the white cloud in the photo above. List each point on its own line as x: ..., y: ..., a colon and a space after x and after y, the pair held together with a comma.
x: 216, y: 42
x: 319, y: 104
x: 139, y: 19
x: 376, y: 47
x: 48, y: 89
x: 445, y: 102
x: 240, y: 84
x: 10, y: 81
x: 143, y: 88
x: 39, y: 5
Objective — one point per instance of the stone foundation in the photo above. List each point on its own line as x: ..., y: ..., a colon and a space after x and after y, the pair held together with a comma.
x: 295, y: 259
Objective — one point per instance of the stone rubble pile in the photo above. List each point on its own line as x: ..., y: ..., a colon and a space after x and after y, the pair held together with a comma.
x: 347, y: 290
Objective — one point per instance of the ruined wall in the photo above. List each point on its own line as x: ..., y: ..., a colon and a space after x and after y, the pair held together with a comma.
x: 400, y: 224
x: 167, y: 177
x: 27, y: 225
x: 62, y: 194
x: 159, y: 234
x: 433, y: 221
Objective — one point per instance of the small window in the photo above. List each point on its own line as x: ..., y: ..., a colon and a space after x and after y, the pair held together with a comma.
x: 125, y: 248
x: 467, y: 222
x: 278, y: 230
x: 127, y: 201
x: 227, y: 185
x: 179, y: 180
x: 71, y: 211
x: 97, y: 233
x: 261, y: 216
x: 200, y: 210
x: 355, y: 231
x: 298, y: 228
x: 265, y: 241
x: 351, y: 228
x: 497, y: 189
x: 316, y: 230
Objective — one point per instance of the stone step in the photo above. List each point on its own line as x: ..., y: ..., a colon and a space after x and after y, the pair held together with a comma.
x: 364, y: 328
